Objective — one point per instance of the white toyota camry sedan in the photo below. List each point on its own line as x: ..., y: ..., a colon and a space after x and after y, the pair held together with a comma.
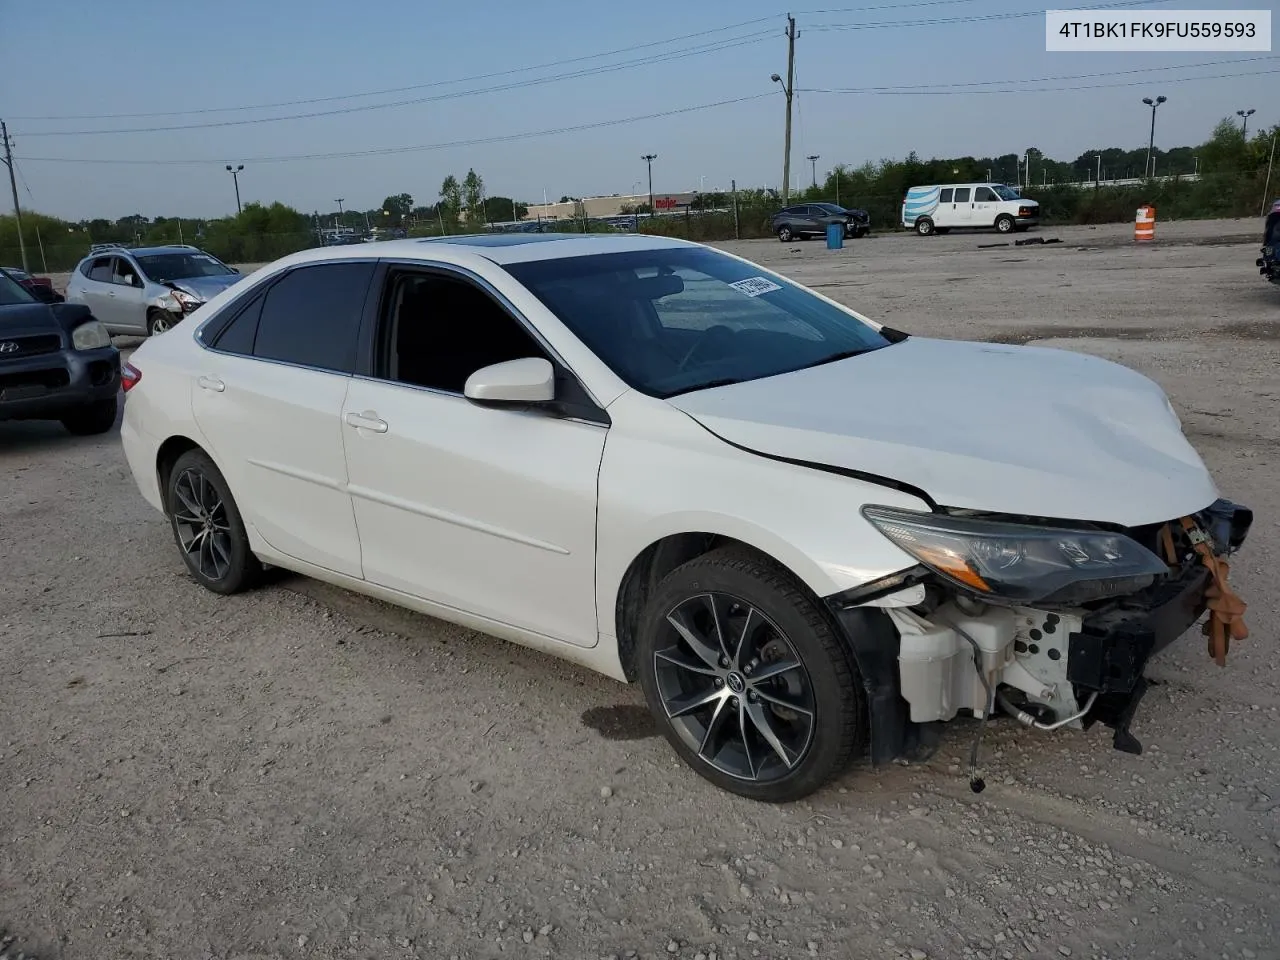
x: 808, y: 536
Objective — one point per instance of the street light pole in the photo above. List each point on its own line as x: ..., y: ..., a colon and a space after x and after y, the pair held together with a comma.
x: 235, y: 175
x: 1152, y: 142
x: 648, y: 158
x: 813, y: 159
x: 1244, y: 115
x: 341, y: 219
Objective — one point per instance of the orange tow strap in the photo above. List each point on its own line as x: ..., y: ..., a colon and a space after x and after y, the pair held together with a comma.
x: 1226, y: 609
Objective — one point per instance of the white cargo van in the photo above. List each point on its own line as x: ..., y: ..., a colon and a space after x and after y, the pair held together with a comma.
x: 940, y: 207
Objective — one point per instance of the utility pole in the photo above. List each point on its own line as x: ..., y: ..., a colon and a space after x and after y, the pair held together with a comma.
x: 341, y: 217
x: 813, y: 163
x: 647, y: 158
x: 789, y: 89
x: 13, y: 186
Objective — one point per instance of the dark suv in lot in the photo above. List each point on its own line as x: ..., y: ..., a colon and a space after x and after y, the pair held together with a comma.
x: 811, y: 220
x: 56, y: 362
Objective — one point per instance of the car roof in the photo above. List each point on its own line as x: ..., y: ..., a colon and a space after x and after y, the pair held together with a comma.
x: 498, y: 248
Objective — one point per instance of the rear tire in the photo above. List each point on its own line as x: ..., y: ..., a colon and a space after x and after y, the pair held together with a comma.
x: 924, y: 226
x: 784, y: 234
x: 1004, y: 223
x: 92, y: 418
x: 207, y: 526
x: 753, y: 690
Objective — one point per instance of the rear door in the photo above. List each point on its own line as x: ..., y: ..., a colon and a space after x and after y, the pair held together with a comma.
x: 268, y: 397
x: 962, y: 207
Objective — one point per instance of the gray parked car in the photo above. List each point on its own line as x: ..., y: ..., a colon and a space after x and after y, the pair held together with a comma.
x: 146, y: 290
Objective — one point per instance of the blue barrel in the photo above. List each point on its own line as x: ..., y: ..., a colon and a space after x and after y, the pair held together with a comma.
x: 835, y: 236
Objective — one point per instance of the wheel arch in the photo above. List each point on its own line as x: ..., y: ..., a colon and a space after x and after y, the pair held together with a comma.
x: 664, y: 554
x: 167, y: 455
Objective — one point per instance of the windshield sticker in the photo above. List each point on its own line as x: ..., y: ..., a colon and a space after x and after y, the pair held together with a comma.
x: 754, y: 286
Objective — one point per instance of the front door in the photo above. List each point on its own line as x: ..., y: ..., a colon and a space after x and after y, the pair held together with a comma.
x: 488, y: 510
x: 985, y: 203
x: 126, y: 297
x: 268, y: 397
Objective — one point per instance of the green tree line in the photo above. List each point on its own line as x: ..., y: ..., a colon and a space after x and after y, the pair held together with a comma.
x: 1232, y: 172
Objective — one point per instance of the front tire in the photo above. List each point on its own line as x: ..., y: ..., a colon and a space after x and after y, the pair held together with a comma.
x: 924, y: 226
x: 207, y: 526
x: 747, y: 679
x: 158, y: 321
x: 1004, y: 223
x: 92, y: 418
x: 784, y: 234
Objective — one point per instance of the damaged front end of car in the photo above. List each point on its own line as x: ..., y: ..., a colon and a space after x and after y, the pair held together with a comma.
x: 1052, y: 623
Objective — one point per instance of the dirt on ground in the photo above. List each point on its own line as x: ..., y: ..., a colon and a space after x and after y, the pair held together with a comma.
x: 298, y: 772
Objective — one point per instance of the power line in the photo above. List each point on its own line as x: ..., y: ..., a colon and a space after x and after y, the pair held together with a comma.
x: 884, y: 6
x: 415, y: 86
x: 1020, y: 80
x: 915, y: 92
x: 387, y: 151
x: 714, y: 47
x: 935, y: 21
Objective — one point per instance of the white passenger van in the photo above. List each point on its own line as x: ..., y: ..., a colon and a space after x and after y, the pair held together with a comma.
x: 941, y: 207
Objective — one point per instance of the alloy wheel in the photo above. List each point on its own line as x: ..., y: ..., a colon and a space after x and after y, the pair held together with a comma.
x: 734, y: 688
x: 204, y: 531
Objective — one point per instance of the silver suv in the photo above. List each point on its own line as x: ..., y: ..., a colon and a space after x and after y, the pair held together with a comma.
x: 146, y: 290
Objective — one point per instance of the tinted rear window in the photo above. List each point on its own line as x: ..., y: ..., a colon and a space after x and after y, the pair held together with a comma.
x: 312, y: 316
x: 944, y: 196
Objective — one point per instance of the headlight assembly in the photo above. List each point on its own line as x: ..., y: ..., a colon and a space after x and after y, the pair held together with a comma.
x: 90, y: 336
x: 1018, y: 563
x: 186, y: 301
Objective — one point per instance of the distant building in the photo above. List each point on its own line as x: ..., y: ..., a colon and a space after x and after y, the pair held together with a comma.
x: 597, y: 207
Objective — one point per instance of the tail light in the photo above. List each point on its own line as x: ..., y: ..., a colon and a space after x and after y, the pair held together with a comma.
x: 129, y: 376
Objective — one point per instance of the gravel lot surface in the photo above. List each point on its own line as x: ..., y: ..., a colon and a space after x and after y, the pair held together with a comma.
x: 300, y: 772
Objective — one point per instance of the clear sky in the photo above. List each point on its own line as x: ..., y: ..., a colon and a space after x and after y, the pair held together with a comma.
x: 73, y: 58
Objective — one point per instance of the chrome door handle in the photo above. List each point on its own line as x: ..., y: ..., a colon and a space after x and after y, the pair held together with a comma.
x: 367, y: 421
x: 211, y: 383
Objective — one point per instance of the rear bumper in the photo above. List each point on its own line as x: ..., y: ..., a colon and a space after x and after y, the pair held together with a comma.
x: 47, y: 386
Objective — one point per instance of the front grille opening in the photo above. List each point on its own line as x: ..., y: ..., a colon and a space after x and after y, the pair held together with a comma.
x: 32, y: 346
x: 53, y: 379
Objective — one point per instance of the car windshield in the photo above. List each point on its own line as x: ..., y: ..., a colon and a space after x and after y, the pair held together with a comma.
x: 12, y: 292
x: 17, y: 274
x: 672, y: 320
x: 1005, y: 193
x: 164, y: 267
x: 830, y: 208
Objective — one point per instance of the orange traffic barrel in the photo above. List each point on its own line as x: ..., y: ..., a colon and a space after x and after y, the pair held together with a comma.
x: 1144, y: 227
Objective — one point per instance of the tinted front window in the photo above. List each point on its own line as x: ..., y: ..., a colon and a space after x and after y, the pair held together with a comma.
x: 12, y: 292
x: 312, y: 316
x: 163, y: 267
x: 673, y: 320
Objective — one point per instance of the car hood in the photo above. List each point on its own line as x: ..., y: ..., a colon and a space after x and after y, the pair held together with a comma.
x: 1017, y: 430
x: 25, y: 318
x: 206, y: 288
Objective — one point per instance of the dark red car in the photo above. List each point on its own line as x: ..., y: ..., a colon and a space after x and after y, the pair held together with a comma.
x: 39, y: 287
